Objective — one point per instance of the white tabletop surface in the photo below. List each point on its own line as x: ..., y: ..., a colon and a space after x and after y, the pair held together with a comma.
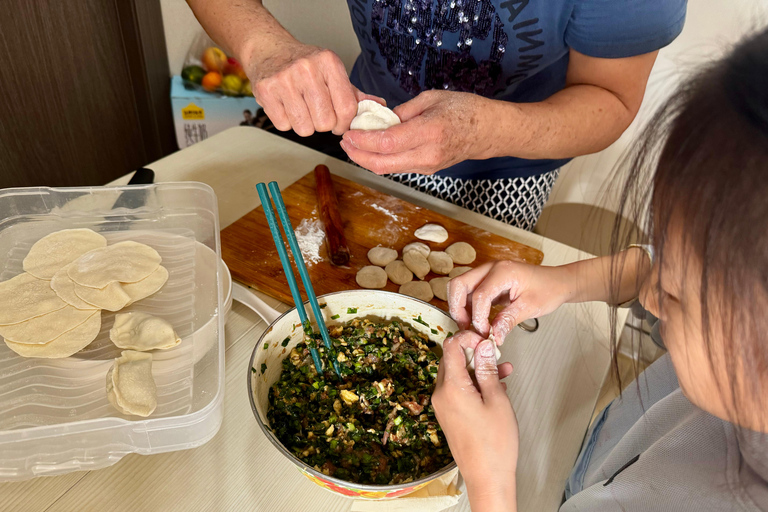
x: 558, y: 372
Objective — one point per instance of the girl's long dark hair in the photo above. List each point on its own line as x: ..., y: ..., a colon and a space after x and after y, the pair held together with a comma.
x: 702, y: 163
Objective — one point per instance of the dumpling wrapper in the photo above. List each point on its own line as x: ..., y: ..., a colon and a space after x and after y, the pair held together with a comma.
x: 45, y: 328
x: 65, y: 289
x: 140, y: 331
x: 147, y: 286
x: 57, y: 250
x: 130, y: 386
x: 24, y: 297
x: 111, y: 297
x: 65, y: 345
x: 373, y: 116
x: 124, y: 262
x: 469, y: 355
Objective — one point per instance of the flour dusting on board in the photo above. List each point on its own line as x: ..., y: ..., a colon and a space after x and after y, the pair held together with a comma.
x: 386, y: 212
x: 310, y: 236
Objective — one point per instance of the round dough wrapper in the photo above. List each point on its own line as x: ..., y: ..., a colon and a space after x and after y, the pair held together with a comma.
x: 398, y: 272
x: 42, y: 329
x: 457, y: 271
x: 150, y: 285
x: 440, y: 287
x: 418, y: 290
x: 65, y: 345
x: 418, y: 247
x: 440, y: 262
x: 432, y: 232
x: 130, y: 386
x: 24, y: 297
x: 371, y: 277
x: 57, y: 250
x: 373, y: 116
x: 416, y: 263
x: 140, y: 331
x: 65, y: 289
x: 469, y: 355
x: 462, y: 253
x: 111, y: 297
x: 124, y: 262
x: 382, y: 256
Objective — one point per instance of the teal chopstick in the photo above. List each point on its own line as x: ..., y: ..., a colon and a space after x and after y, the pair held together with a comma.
x: 299, y: 259
x: 280, y: 245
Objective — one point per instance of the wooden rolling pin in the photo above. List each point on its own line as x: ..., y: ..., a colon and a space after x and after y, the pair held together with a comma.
x: 329, y: 214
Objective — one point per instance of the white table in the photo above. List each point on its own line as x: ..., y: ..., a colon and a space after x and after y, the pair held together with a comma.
x: 558, y: 372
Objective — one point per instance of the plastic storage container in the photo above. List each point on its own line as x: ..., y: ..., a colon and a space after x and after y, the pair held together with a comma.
x: 54, y: 413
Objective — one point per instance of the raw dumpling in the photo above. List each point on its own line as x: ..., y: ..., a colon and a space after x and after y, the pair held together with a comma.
x: 416, y: 263
x: 462, y: 253
x: 65, y: 345
x: 440, y: 287
x: 469, y: 355
x: 147, y: 286
x: 418, y: 289
x: 398, y: 272
x: 130, y: 386
x: 382, y: 256
x: 418, y: 247
x: 124, y: 262
x: 432, y: 232
x: 457, y: 271
x: 42, y: 329
x: 440, y: 262
x: 140, y: 331
x: 57, y: 250
x: 373, y: 116
x: 24, y: 297
x: 372, y: 277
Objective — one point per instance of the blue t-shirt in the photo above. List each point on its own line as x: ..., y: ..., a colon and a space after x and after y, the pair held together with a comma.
x: 512, y: 50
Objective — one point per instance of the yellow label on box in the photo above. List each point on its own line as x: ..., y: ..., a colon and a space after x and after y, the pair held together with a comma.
x: 192, y: 111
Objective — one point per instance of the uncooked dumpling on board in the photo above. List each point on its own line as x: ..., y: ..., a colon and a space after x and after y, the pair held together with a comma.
x: 67, y: 344
x: 440, y: 287
x: 462, y: 253
x: 141, y: 331
x: 418, y: 289
x: 416, y: 263
x: 440, y: 262
x: 432, y: 232
x: 57, y: 250
x: 124, y: 262
x: 398, y: 272
x: 24, y: 297
x: 419, y: 247
x: 382, y: 256
x: 373, y: 116
x: 371, y: 277
x: 130, y: 386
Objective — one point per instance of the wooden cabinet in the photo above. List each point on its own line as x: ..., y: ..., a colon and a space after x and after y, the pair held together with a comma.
x: 84, y: 91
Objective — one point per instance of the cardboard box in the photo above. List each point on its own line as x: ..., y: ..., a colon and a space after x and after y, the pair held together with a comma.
x: 198, y: 115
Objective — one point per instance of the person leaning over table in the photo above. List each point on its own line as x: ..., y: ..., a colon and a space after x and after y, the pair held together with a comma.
x: 691, y: 434
x: 495, y: 95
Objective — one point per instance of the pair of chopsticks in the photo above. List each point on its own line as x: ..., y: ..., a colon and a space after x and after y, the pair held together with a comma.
x: 292, y: 284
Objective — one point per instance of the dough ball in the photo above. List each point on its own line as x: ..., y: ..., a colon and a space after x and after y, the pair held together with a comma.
x: 462, y: 253
x: 432, y: 232
x: 457, y: 271
x: 418, y: 247
x: 440, y: 287
x: 125, y: 262
x: 140, y: 331
x: 416, y: 263
x: 65, y: 345
x: 371, y: 277
x: 57, y: 250
x: 382, y: 256
x: 440, y: 262
x: 418, y: 290
x: 24, y: 297
x: 371, y: 115
x: 469, y: 355
x: 398, y: 272
x: 130, y: 386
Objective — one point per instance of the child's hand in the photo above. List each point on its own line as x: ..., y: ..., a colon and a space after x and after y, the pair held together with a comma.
x: 478, y: 421
x: 530, y: 291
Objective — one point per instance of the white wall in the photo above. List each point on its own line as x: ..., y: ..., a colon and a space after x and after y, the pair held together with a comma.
x: 324, y: 23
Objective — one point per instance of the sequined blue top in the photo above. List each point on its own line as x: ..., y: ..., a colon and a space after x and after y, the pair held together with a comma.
x: 512, y: 50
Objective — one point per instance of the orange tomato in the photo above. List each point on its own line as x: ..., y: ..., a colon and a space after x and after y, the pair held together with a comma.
x: 211, y: 81
x: 214, y: 59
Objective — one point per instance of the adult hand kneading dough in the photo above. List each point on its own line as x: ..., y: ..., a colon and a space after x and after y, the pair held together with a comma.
x: 373, y: 116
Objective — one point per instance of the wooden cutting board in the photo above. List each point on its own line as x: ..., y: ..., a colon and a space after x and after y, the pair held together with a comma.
x: 370, y: 218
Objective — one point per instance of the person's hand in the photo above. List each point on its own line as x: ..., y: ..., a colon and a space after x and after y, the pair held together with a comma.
x: 438, y: 130
x: 305, y: 88
x: 527, y: 291
x: 478, y: 421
